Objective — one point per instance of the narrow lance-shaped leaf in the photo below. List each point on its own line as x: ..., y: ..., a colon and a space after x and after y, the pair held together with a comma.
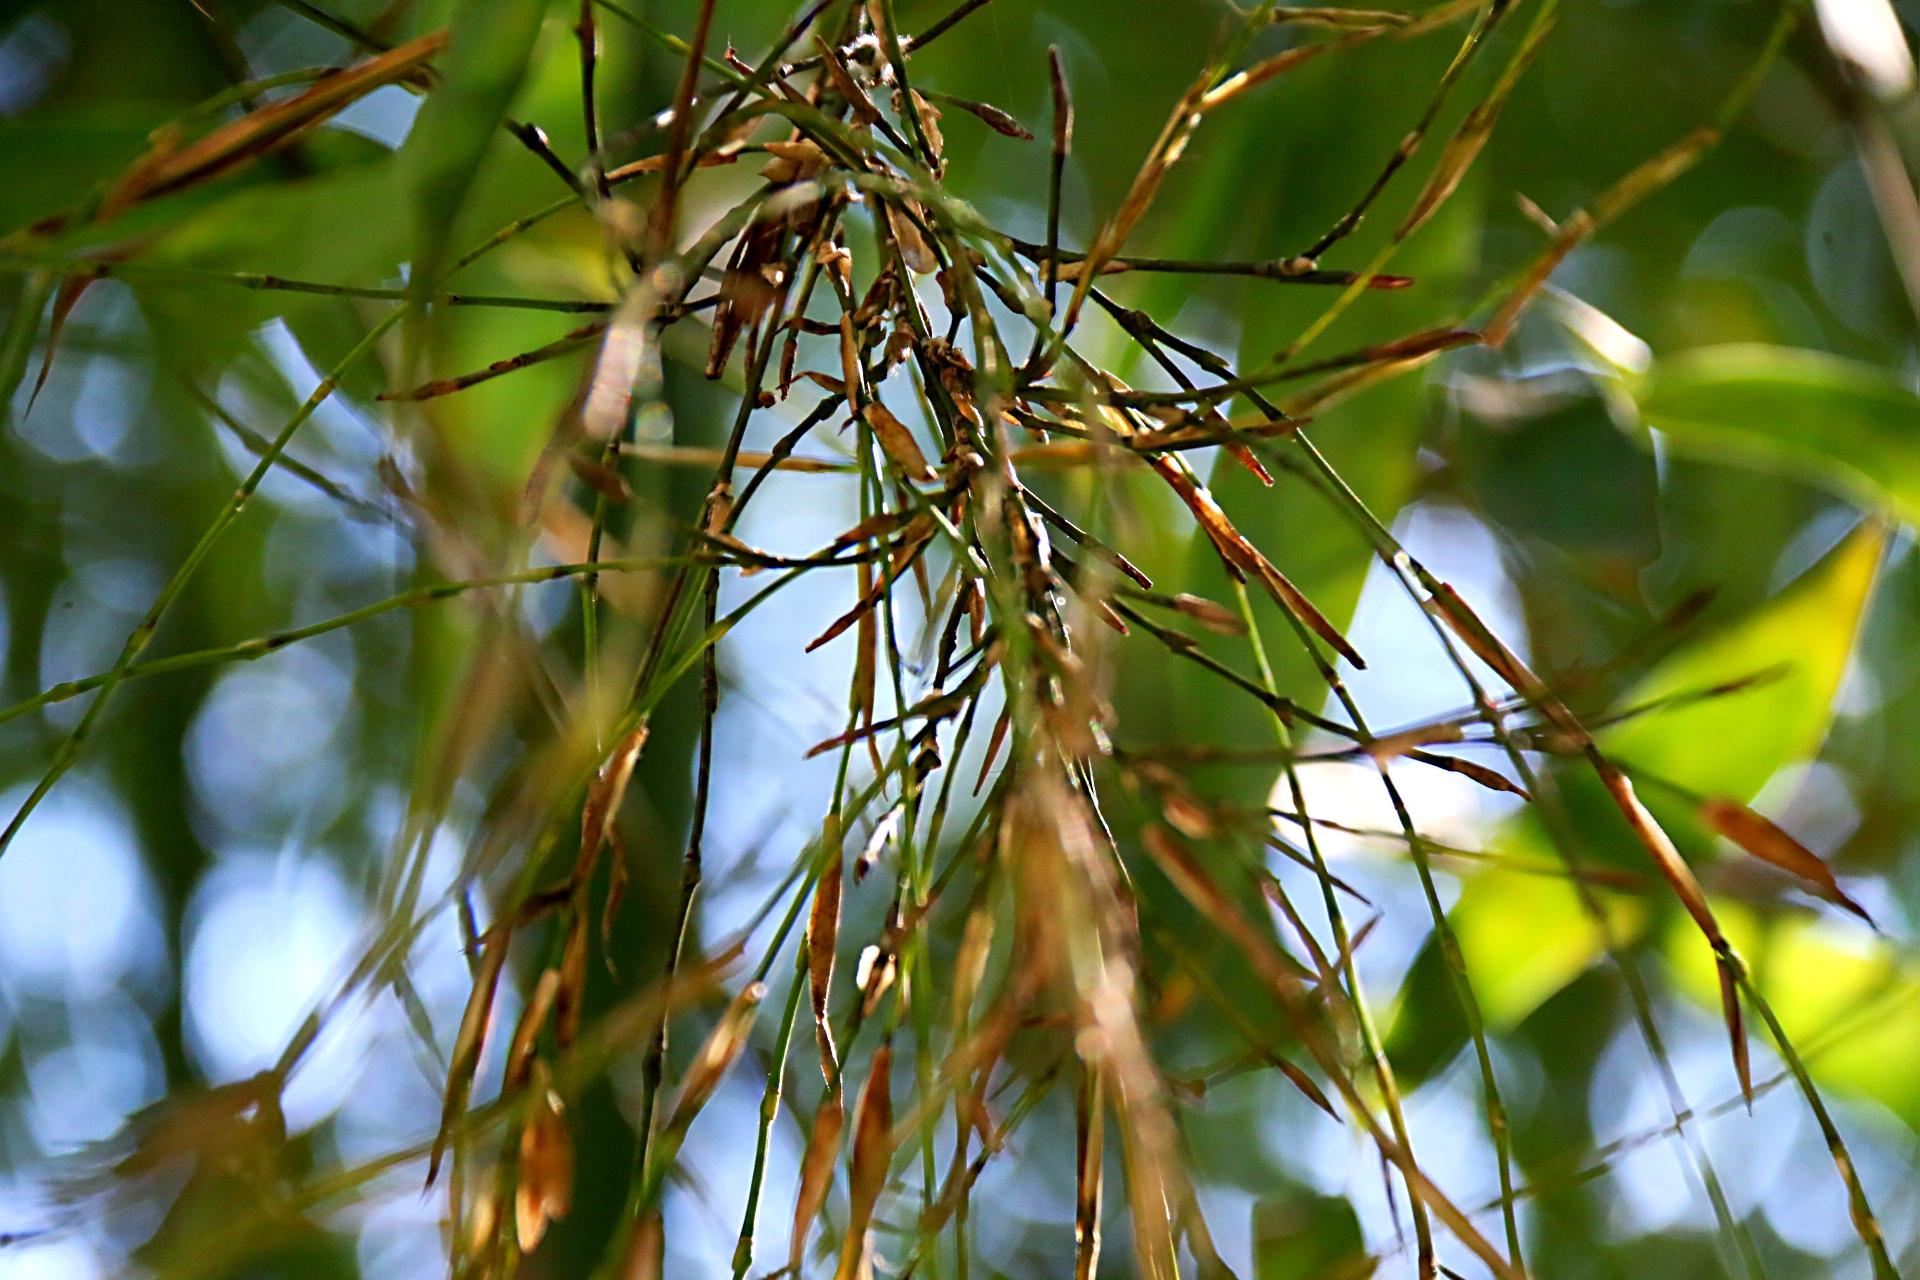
x: 721, y: 1050
x: 872, y: 1153
x: 1090, y: 1142
x: 897, y: 440
x: 470, y: 1040
x: 1767, y: 842
x: 1646, y: 828
x: 823, y: 931
x: 816, y: 1173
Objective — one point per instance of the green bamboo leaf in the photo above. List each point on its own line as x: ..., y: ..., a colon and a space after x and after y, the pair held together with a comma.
x: 1850, y: 426
x: 486, y: 60
x: 1729, y: 746
x: 1525, y: 937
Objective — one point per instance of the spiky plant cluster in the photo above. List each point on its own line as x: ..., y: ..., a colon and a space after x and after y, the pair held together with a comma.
x: 852, y: 298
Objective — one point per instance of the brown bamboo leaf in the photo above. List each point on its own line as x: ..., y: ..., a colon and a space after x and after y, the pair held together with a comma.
x: 930, y: 125
x: 1725, y: 965
x: 1062, y: 102
x: 643, y: 1257
x: 1210, y: 614
x: 483, y: 1221
x: 1491, y: 779
x: 1278, y: 65
x: 850, y: 381
x: 1320, y: 16
x: 1640, y: 182
x: 1573, y: 232
x: 872, y: 527
x: 726, y: 153
x: 619, y: 875
x: 816, y: 1174
x: 1303, y: 1082
x: 993, y: 117
x: 823, y: 933
x: 1243, y: 557
x: 970, y: 963
x: 1767, y: 842
x: 265, y: 129
x: 904, y: 219
x: 567, y: 343
x: 1471, y: 137
x: 608, y: 789
x: 1651, y: 835
x: 994, y: 743
x: 601, y: 478
x: 1294, y: 601
x: 470, y: 1039
x: 520, y: 1058
x: 912, y: 543
x: 572, y: 996
x: 845, y: 85
x: 1089, y: 1144
x: 1187, y: 815
x: 1199, y: 889
x: 872, y: 1153
x: 63, y: 303
x: 794, y: 161
x: 721, y: 1049
x: 1395, y: 745
x: 826, y: 382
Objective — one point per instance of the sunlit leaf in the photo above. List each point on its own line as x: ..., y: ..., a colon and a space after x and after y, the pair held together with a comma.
x: 1524, y: 937
x: 1729, y: 746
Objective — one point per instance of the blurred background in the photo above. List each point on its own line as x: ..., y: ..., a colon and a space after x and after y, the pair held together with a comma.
x: 206, y: 875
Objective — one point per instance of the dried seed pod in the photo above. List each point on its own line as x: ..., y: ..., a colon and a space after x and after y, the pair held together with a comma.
x: 545, y: 1188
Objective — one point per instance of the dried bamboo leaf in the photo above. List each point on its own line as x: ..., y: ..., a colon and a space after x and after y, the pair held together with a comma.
x: 872, y: 1154
x: 1090, y: 1143
x: 266, y: 129
x: 1767, y: 842
x: 823, y: 932
x: 718, y: 1053
x: 520, y: 1060
x: 1736, y: 1027
x: 993, y: 117
x: 904, y: 218
x: 816, y: 1174
x: 471, y: 1038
